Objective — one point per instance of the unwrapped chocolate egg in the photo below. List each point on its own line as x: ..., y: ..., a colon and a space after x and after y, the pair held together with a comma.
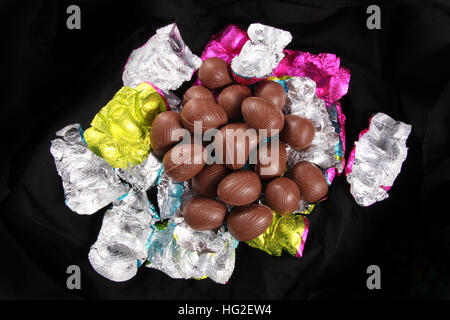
x: 184, y: 161
x: 206, y: 181
x: 273, y: 92
x: 214, y: 73
x: 204, y: 214
x: 282, y: 195
x: 298, y: 132
x: 197, y: 92
x: 248, y: 222
x: 231, y: 99
x: 165, y: 132
x: 271, y: 163
x: 233, y: 143
x: 239, y: 188
x: 261, y: 114
x: 310, y: 180
x: 209, y: 113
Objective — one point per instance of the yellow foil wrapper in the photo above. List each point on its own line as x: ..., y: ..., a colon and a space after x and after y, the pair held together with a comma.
x: 285, y: 232
x: 120, y: 131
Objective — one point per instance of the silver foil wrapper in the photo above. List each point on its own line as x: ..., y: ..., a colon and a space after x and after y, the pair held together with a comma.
x: 200, y: 241
x: 164, y: 61
x: 174, y: 102
x: 262, y: 53
x: 170, y: 195
x: 143, y: 176
x: 181, y: 252
x: 378, y: 158
x: 89, y: 182
x: 303, y: 101
x: 122, y: 244
x: 166, y: 254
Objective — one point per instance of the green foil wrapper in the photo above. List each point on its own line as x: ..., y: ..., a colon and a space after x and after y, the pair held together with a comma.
x: 286, y: 233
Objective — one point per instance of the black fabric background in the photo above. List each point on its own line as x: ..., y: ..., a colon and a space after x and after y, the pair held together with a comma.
x: 57, y: 76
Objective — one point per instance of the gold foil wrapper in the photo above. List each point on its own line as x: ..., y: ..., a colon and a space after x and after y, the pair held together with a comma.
x: 285, y: 233
x: 120, y: 131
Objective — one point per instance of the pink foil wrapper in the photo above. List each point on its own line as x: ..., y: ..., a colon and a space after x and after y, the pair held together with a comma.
x: 225, y: 45
x: 324, y: 68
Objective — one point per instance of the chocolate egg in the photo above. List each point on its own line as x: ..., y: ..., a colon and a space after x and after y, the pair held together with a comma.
x: 261, y: 114
x: 235, y: 140
x: 282, y: 195
x: 246, y: 223
x: 197, y: 92
x: 310, y: 180
x: 271, y: 163
x: 208, y: 112
x: 214, y: 73
x: 204, y: 214
x: 231, y: 99
x: 239, y: 188
x: 164, y: 132
x: 273, y: 92
x: 183, y: 161
x: 298, y: 132
x: 206, y: 181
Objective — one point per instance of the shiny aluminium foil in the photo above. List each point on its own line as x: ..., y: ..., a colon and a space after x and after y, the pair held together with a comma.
x: 303, y: 101
x: 174, y: 102
x: 337, y: 119
x: 376, y: 159
x: 286, y: 233
x: 261, y: 54
x: 143, y: 176
x: 200, y: 241
x: 169, y: 196
x: 123, y: 240
x: 120, y: 131
x: 166, y: 254
x: 164, y: 60
x: 89, y: 182
x: 182, y: 252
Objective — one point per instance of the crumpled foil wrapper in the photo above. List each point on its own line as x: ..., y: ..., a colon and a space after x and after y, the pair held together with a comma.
x: 337, y: 118
x: 164, y: 60
x: 226, y: 44
x: 182, y: 252
x: 169, y: 195
x: 200, y: 241
x: 120, y: 131
x: 303, y: 101
x: 261, y: 54
x: 143, y: 176
x: 122, y: 244
x: 174, y: 102
x: 332, y: 80
x: 165, y: 254
x: 89, y: 182
x: 305, y: 207
x: 377, y: 159
x: 285, y: 233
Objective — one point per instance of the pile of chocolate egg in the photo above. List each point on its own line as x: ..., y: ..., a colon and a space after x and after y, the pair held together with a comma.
x: 235, y: 183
